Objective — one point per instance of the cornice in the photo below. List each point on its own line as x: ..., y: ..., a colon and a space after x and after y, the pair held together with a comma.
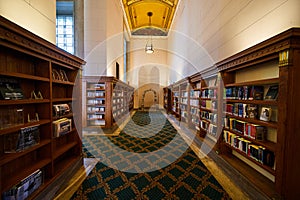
x: 11, y: 33
x: 263, y: 50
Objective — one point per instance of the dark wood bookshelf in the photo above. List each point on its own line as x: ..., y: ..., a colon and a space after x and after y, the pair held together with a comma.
x: 117, y: 97
x: 282, y: 52
x: 29, y: 60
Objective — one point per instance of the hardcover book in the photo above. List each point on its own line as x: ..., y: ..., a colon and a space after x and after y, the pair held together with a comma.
x: 256, y: 92
x: 252, y: 111
x: 22, y: 140
x: 272, y: 93
x: 265, y: 114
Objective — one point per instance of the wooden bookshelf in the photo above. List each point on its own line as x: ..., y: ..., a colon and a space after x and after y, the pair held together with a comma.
x: 281, y: 56
x: 106, y: 100
x: 209, y: 106
x: 30, y: 61
x: 167, y: 99
x: 195, y: 93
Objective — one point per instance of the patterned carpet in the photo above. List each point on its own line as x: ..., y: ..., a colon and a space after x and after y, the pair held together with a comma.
x: 148, y: 160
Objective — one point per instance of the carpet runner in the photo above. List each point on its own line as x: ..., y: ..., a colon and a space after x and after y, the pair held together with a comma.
x: 148, y: 160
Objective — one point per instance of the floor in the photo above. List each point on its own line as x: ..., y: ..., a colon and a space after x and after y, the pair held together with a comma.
x: 234, y: 184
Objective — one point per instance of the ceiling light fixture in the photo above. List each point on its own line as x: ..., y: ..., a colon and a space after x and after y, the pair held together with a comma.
x: 149, y: 47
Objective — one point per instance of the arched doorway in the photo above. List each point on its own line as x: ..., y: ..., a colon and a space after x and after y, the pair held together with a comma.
x: 155, y: 100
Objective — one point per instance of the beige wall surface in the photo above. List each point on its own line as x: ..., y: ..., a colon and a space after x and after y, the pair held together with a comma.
x: 222, y: 28
x: 94, y: 37
x: 37, y: 16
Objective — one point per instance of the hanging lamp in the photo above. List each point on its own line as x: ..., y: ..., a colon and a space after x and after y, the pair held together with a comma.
x: 149, y: 46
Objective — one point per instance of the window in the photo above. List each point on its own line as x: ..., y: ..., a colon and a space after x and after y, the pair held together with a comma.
x: 65, y: 26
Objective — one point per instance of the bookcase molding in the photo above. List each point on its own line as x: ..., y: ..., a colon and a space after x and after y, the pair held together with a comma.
x: 30, y: 60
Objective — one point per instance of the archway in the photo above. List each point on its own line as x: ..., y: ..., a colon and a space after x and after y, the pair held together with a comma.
x: 155, y: 100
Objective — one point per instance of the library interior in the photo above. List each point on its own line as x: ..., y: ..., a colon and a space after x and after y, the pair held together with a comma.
x: 149, y: 99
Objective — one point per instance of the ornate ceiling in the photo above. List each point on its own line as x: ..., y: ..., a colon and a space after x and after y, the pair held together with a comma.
x: 137, y: 13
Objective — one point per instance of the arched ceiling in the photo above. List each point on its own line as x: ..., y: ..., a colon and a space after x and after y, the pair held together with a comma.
x: 136, y: 12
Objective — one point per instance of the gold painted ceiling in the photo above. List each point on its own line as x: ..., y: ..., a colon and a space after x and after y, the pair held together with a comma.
x: 137, y: 13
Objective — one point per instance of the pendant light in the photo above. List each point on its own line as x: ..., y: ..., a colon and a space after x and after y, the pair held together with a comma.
x: 149, y: 47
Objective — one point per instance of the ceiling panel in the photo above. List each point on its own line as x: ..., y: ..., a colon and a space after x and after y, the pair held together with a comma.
x: 138, y: 19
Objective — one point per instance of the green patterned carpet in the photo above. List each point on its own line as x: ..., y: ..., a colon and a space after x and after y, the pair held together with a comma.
x: 148, y: 160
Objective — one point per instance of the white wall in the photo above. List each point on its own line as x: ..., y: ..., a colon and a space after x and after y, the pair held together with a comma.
x: 37, y: 16
x: 115, y: 38
x: 225, y: 27
x: 95, y: 37
x: 103, y: 37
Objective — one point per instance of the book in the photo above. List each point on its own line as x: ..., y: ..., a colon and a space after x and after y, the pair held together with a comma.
x: 252, y: 111
x: 22, y: 140
x: 272, y: 92
x: 256, y: 92
x: 265, y: 114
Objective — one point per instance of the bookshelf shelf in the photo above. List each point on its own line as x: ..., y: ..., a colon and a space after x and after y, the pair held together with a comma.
x: 24, y: 76
x: 28, y: 62
x: 269, y: 169
x: 209, y: 87
x: 24, y: 101
x: 64, y: 148
x: 258, y: 102
x: 256, y: 82
x: 255, y: 121
x: 12, y: 156
x: 18, y: 127
x: 24, y: 172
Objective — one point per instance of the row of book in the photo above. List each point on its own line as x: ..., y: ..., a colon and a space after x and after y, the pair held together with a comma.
x: 185, y: 94
x: 209, y: 104
x: 96, y: 101
x: 22, y: 140
x: 254, y: 92
x: 209, y: 93
x: 212, y: 117
x: 253, y: 131
x: 249, y: 111
x: 194, y: 102
x: 99, y: 86
x: 95, y: 94
x: 96, y: 109
x: 25, y: 188
x: 195, y: 111
x: 184, y: 100
x: 258, y: 153
x: 194, y: 94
